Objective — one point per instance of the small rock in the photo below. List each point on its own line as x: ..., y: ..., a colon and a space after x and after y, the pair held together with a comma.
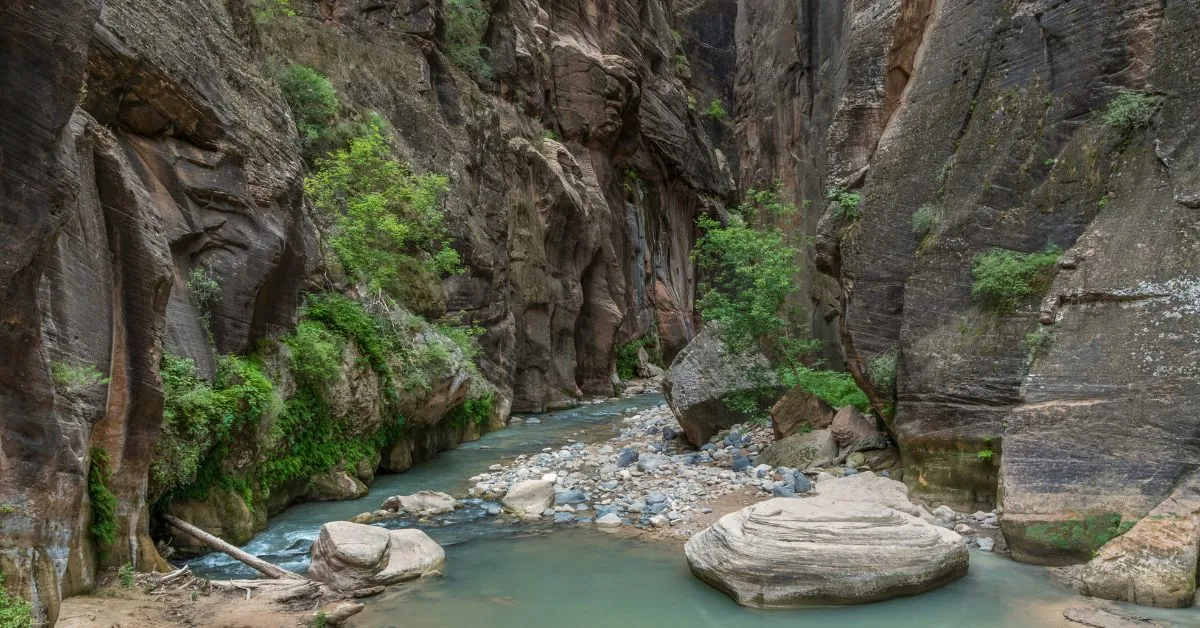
x: 981, y: 516
x: 563, y: 517
x: 783, y: 491
x: 800, y: 483
x: 944, y: 512
x: 493, y: 510
x: 986, y: 544
x: 336, y: 613
x: 655, y: 498
x: 627, y: 457
x: 962, y: 528
x: 609, y: 520
x: 659, y: 521
x: 638, y: 506
x: 669, y: 434
x: 741, y: 463
x: 532, y: 421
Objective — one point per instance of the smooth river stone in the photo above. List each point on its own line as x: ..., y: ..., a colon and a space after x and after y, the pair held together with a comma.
x: 349, y: 556
x: 785, y: 553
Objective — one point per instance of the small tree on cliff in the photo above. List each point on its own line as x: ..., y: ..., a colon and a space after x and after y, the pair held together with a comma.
x: 384, y: 222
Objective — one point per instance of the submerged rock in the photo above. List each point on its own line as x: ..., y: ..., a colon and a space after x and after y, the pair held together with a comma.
x: 847, y: 545
x: 349, y: 556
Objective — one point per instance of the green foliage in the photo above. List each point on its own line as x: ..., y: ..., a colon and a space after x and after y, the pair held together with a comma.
x: 268, y: 10
x: 845, y: 204
x: 348, y: 318
x: 200, y: 419
x: 1005, y: 278
x: 72, y: 379
x: 985, y: 455
x: 833, y: 387
x: 551, y: 134
x: 206, y: 291
x: 475, y: 410
x: 627, y: 355
x: 1038, y: 342
x: 716, y: 109
x: 386, y: 223
x: 1081, y: 535
x: 633, y: 181
x: 753, y: 406
x: 925, y: 220
x: 466, y: 23
x: 747, y: 280
x: 316, y: 354
x: 7, y: 508
x: 15, y: 612
x: 312, y: 99
x: 681, y: 69
x: 1131, y: 110
x: 104, y: 502
x: 320, y: 620
x: 881, y: 369
x: 125, y: 575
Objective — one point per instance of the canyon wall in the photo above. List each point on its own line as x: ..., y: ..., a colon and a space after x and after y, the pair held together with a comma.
x: 991, y: 116
x: 145, y: 141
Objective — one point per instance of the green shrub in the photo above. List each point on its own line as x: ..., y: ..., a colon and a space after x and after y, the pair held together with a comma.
x: 316, y: 353
x: 475, y: 410
x: 267, y: 10
x: 205, y: 291
x: 15, y: 612
x: 627, y: 355
x: 199, y: 420
x: 835, y: 388
x: 752, y: 406
x: 466, y: 23
x: 1038, y: 342
x: 681, y: 69
x: 348, y: 318
x: 925, y: 220
x: 1131, y: 110
x: 386, y: 223
x: 103, y: 501
x: 1006, y: 278
x: 125, y: 575
x: 845, y: 204
x: 716, y: 109
x: 881, y: 369
x: 72, y: 379
x: 985, y: 455
x: 312, y: 99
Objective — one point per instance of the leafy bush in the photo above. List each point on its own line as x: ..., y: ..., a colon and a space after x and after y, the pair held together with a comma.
x: 125, y: 575
x: 15, y: 611
x: 71, y: 379
x: 104, y: 502
x: 386, y: 223
x: 205, y: 290
x: 316, y: 353
x: 1131, y: 110
x: 1006, y: 278
x: 925, y: 220
x: 475, y: 410
x: 835, y: 388
x: 753, y: 406
x: 627, y: 355
x: 199, y: 420
x: 348, y: 318
x: 267, y: 10
x: 845, y: 204
x: 716, y: 109
x: 985, y: 454
x: 882, y: 371
x: 312, y: 99
x: 681, y: 69
x: 466, y: 23
x: 1038, y: 342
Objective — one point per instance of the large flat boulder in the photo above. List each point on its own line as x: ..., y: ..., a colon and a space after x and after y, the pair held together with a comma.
x: 703, y: 375
x: 349, y: 556
x: 828, y: 549
x: 421, y: 503
x: 529, y: 497
x: 798, y: 408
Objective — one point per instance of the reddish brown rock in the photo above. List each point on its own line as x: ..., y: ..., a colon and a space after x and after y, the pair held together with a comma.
x: 799, y: 408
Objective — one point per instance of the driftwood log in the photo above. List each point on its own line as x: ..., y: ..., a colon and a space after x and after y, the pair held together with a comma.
x: 250, y: 560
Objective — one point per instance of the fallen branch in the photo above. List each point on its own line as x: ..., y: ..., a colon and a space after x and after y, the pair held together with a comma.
x: 254, y: 562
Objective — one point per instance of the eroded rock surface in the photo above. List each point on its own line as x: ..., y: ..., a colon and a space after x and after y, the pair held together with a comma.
x: 840, y: 547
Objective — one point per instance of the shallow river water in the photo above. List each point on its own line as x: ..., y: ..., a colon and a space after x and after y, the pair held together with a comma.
x: 507, y: 575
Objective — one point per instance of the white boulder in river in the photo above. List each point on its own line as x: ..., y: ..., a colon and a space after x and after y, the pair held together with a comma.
x: 529, y: 497
x: 349, y: 556
x: 848, y: 546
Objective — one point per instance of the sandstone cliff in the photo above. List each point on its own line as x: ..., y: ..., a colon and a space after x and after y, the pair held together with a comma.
x: 992, y: 116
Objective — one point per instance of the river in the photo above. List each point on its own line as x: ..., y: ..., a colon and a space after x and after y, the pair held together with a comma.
x: 503, y: 574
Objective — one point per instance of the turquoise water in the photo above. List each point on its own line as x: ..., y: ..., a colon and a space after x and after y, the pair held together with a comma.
x: 504, y: 574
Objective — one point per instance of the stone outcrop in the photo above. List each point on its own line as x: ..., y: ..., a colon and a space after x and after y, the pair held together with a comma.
x: 801, y: 450
x: 529, y: 497
x: 990, y: 116
x: 421, y: 503
x: 1154, y: 563
x: 349, y: 556
x: 839, y: 547
x: 704, y: 375
x: 799, y: 408
x: 855, y: 432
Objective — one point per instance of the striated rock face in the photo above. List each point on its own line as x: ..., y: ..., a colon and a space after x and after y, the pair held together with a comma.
x: 990, y: 116
x: 1154, y: 563
x: 349, y: 556
x: 703, y: 376
x: 835, y: 548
